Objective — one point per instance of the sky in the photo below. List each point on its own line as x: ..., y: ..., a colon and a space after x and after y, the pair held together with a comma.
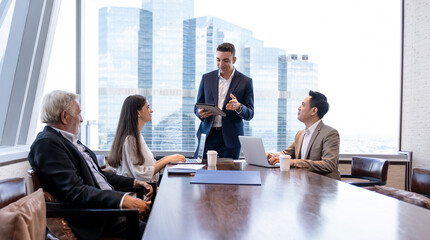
x: 356, y: 45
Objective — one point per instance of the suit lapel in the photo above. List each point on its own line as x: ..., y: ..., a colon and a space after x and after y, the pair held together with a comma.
x: 234, y: 82
x: 314, y: 136
x: 91, y: 153
x: 93, y: 157
x: 299, y: 144
x: 70, y: 145
x: 65, y: 141
x: 215, y: 87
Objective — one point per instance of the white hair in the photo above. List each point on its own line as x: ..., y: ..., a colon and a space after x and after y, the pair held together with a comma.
x: 54, y: 103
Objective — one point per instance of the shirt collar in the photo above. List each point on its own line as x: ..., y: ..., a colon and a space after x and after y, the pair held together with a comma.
x: 69, y: 136
x: 229, y: 78
x: 313, y: 127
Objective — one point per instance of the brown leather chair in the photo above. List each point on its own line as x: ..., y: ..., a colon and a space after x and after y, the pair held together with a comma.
x: 22, y: 216
x: 62, y: 210
x: 420, y: 182
x: 370, y: 171
x: 11, y: 190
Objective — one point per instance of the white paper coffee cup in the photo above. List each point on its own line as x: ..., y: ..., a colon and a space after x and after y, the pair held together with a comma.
x: 284, y: 162
x: 212, y: 158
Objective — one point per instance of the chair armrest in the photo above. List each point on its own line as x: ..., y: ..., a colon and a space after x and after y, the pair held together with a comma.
x: 140, y: 191
x: 68, y: 210
x: 370, y: 180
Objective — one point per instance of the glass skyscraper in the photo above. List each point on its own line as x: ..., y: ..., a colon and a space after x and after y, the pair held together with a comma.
x: 302, y: 76
x: 161, y: 52
x: 264, y: 69
x: 172, y: 128
x: 125, y: 63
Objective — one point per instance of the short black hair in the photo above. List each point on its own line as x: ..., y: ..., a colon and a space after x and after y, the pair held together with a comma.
x: 226, y: 47
x: 319, y: 101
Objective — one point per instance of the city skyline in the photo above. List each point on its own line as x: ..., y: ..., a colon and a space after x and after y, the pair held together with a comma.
x: 127, y: 52
x: 356, y: 56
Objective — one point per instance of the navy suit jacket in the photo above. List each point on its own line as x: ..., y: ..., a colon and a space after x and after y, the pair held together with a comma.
x: 232, y: 124
x: 64, y: 173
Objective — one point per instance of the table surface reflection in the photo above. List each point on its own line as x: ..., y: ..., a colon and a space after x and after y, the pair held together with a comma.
x: 288, y: 205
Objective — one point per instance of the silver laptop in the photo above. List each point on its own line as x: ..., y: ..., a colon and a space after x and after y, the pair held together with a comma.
x: 253, y: 149
x: 200, y: 152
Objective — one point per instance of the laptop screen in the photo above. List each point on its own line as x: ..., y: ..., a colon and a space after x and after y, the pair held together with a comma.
x: 254, y: 152
x: 201, y: 146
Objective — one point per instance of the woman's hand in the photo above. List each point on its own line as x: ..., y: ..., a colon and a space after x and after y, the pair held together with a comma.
x: 175, y: 158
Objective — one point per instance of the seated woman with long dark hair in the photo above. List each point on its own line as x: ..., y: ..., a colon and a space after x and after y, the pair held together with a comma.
x: 129, y: 153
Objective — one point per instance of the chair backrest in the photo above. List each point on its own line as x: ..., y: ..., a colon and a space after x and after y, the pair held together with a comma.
x: 11, y: 190
x: 420, y: 181
x: 22, y: 216
x: 370, y: 167
x: 58, y: 227
x: 34, y: 182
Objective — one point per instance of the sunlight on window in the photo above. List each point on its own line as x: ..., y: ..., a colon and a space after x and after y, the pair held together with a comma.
x: 344, y: 49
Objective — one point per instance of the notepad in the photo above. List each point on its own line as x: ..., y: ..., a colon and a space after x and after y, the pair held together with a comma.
x: 227, y: 177
x: 188, y: 166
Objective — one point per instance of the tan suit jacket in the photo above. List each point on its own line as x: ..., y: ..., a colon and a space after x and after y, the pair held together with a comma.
x: 322, y: 155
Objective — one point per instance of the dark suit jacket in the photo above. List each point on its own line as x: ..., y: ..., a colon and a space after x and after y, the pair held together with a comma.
x: 232, y: 124
x: 64, y: 173
x: 322, y: 155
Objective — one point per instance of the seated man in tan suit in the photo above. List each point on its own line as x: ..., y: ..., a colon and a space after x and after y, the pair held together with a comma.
x: 317, y: 146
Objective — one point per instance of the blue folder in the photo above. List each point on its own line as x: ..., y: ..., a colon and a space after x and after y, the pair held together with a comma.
x: 227, y: 177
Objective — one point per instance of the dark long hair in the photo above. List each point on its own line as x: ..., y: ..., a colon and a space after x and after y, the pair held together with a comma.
x: 127, y: 126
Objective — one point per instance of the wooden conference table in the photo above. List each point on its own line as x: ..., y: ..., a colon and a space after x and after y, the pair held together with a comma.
x: 288, y: 205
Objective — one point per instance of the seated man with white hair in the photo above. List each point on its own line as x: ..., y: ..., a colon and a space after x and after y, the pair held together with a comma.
x: 69, y: 170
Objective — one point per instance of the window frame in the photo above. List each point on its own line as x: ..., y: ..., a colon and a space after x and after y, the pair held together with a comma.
x: 24, y: 86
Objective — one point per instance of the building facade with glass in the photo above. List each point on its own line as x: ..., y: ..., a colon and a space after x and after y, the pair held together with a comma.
x: 302, y: 76
x: 125, y: 60
x: 142, y: 52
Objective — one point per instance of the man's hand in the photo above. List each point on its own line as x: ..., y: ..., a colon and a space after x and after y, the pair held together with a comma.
x: 272, y: 160
x: 233, y: 104
x: 148, y: 188
x: 268, y: 156
x: 205, y: 113
x: 135, y: 203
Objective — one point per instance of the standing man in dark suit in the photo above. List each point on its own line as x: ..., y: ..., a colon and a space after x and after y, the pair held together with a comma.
x: 69, y: 170
x: 232, y: 92
x: 316, y: 147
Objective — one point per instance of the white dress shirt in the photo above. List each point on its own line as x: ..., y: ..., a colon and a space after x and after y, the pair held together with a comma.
x: 307, y: 138
x: 223, y: 86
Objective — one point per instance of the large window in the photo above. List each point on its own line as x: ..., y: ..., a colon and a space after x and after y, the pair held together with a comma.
x: 61, y: 71
x: 349, y: 50
x: 6, y: 13
x: 26, y: 33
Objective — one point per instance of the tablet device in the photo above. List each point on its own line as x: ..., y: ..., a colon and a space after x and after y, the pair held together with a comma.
x: 211, y: 107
